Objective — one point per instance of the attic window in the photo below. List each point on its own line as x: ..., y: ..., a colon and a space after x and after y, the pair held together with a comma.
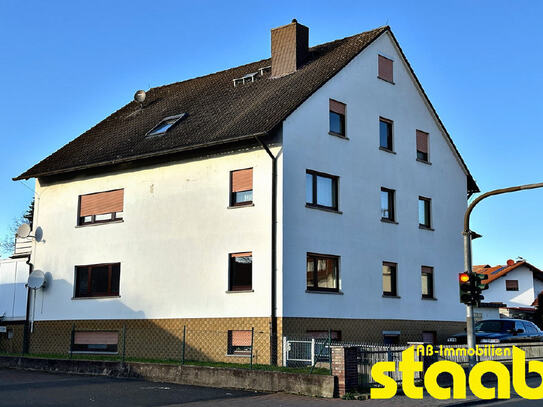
x: 165, y: 124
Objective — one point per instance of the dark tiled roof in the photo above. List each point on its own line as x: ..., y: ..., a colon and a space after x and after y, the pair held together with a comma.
x: 217, y: 111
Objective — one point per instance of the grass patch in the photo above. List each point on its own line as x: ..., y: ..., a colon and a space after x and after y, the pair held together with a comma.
x: 116, y: 358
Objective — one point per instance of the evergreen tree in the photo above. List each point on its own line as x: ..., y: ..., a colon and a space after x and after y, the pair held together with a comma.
x: 7, y: 243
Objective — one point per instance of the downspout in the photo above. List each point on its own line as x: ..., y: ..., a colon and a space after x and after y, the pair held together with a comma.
x: 273, y: 302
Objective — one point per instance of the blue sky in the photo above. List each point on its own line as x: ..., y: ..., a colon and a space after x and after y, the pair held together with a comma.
x: 66, y: 65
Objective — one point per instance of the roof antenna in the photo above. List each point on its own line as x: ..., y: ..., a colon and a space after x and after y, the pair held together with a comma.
x: 139, y: 97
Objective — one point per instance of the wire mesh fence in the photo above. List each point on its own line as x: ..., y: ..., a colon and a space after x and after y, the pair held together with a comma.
x: 247, y: 348
x: 242, y: 347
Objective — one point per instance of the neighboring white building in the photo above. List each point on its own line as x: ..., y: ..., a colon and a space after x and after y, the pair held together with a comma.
x: 516, y: 284
x: 13, y: 302
x: 311, y: 191
x: 13, y: 292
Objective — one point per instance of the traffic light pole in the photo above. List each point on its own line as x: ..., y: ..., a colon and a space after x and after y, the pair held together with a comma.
x: 470, y: 323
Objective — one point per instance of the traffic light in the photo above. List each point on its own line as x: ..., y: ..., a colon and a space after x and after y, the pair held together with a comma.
x: 471, y: 285
x: 465, y: 288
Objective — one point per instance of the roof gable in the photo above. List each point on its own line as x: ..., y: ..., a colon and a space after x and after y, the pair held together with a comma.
x: 471, y: 184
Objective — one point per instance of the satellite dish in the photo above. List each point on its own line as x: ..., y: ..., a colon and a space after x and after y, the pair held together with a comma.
x: 36, y: 280
x: 23, y: 230
x: 139, y: 96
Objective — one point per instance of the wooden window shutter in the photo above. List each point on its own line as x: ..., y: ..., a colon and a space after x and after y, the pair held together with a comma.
x: 337, y: 107
x: 422, y: 141
x: 241, y: 338
x: 385, y: 69
x: 427, y: 270
x: 246, y: 254
x: 96, y: 338
x: 101, y: 203
x: 242, y: 180
x: 511, y: 285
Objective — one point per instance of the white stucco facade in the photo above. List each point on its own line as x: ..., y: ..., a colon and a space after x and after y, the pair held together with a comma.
x: 177, y: 230
x: 357, y: 234
x: 173, y: 243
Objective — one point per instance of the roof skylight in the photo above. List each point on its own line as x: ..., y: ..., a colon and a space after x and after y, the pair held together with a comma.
x: 165, y: 124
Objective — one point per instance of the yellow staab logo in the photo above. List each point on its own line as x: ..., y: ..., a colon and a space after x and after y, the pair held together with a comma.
x: 408, y: 366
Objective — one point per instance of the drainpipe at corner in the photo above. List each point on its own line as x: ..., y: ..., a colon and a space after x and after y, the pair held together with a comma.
x: 273, y: 303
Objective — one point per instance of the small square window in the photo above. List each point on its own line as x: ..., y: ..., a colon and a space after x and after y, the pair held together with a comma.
x: 389, y: 279
x: 241, y: 272
x: 511, y: 285
x: 322, y: 272
x: 385, y: 134
x: 425, y: 212
x: 387, y: 204
x: 427, y: 281
x: 337, y: 118
x: 321, y: 190
x: 429, y: 337
x: 391, y: 337
x: 239, y: 343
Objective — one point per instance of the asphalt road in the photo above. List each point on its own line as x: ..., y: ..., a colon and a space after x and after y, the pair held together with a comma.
x: 37, y: 389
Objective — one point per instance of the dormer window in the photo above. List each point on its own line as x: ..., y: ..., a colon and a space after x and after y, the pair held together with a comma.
x: 165, y: 124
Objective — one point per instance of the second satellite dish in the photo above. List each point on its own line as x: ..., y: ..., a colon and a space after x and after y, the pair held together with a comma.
x: 36, y: 280
x: 23, y: 231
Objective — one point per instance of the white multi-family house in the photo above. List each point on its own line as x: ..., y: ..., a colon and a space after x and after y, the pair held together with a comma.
x: 315, y: 190
x: 516, y: 284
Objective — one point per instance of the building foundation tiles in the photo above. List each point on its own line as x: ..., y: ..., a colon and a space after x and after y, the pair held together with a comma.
x: 12, y: 340
x: 205, y: 338
x: 371, y: 330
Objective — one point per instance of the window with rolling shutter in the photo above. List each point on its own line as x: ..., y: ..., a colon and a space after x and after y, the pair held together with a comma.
x: 337, y: 118
x: 239, y: 342
x: 95, y: 341
x: 386, y: 69
x: 422, y: 146
x: 241, y: 187
x: 241, y: 272
x: 511, y: 285
x: 101, y: 207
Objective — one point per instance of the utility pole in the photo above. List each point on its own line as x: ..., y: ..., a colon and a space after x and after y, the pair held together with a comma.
x: 470, y: 323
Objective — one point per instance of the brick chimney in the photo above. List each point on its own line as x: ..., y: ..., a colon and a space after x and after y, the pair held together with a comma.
x: 289, y: 48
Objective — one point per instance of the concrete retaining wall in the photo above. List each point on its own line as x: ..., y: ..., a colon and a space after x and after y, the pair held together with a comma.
x: 257, y: 380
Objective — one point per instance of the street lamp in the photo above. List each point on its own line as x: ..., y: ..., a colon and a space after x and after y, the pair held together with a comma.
x: 468, y: 236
